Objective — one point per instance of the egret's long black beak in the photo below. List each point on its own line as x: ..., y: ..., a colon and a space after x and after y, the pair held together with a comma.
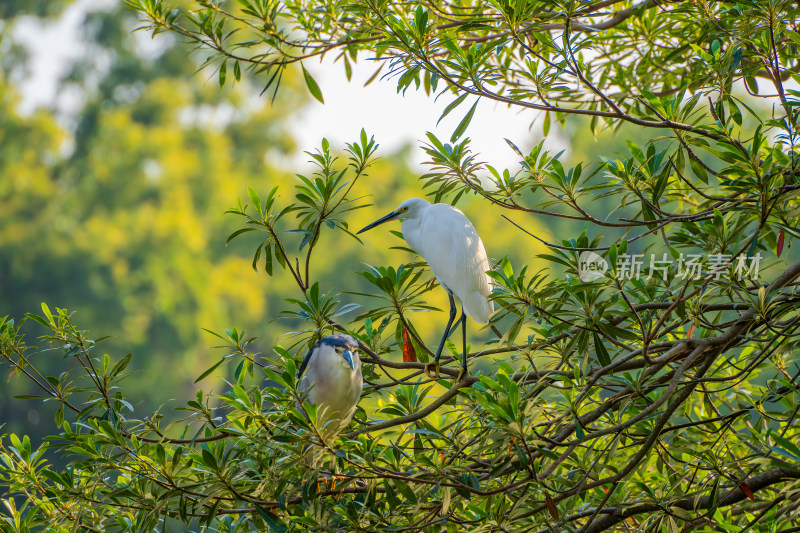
x: 391, y: 216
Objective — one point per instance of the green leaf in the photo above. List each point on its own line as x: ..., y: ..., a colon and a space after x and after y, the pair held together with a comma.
x: 257, y: 256
x: 699, y: 171
x: 406, y: 491
x: 462, y: 126
x: 751, y: 84
x: 374, y: 75
x: 53, y: 476
x: 348, y: 70
x: 209, y: 459
x: 121, y: 365
x: 254, y: 199
x: 600, y: 349
x: 454, y: 104
x: 268, y: 259
x: 38, y: 319
x: 210, y: 370
x: 223, y: 72
x: 788, y: 446
x: 313, y: 88
x: 273, y: 521
x: 237, y: 233
x: 47, y: 313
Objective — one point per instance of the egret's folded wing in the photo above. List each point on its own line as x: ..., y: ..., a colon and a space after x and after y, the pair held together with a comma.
x: 455, y: 254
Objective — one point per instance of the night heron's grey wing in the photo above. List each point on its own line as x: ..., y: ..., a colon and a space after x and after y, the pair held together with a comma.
x: 306, y: 359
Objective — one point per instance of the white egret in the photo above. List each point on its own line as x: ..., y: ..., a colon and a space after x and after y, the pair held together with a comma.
x: 447, y: 240
x: 330, y: 376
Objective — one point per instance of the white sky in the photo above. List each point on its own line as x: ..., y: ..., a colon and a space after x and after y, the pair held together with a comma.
x: 51, y: 46
x: 394, y: 119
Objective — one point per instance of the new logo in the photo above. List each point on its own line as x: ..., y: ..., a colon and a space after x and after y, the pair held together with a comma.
x: 591, y: 266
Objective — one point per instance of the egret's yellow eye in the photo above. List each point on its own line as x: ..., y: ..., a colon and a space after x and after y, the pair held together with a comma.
x: 405, y: 209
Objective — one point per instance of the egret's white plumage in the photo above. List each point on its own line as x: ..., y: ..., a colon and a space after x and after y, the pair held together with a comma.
x: 447, y: 240
x: 330, y: 377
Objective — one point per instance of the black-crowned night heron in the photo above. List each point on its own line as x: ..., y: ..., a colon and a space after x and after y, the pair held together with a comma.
x: 447, y: 240
x: 330, y: 376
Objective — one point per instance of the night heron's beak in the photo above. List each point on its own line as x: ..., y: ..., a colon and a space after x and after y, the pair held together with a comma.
x: 391, y: 216
x: 348, y: 356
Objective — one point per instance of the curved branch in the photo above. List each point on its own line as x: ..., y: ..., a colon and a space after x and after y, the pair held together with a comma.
x: 610, y: 516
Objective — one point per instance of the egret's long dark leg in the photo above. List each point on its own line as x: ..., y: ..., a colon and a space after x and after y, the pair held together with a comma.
x: 432, y: 369
x: 464, y: 369
x: 455, y: 326
x: 447, y: 328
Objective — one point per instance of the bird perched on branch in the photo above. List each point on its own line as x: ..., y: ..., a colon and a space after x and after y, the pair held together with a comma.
x: 447, y: 240
x: 330, y: 376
